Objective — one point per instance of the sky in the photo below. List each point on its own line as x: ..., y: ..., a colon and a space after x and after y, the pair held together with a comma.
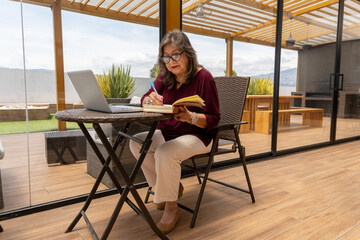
x: 96, y: 43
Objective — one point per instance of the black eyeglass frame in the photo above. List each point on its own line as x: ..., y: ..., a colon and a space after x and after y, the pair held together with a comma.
x: 166, y: 59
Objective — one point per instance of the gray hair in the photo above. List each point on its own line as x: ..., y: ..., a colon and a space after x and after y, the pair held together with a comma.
x: 180, y: 40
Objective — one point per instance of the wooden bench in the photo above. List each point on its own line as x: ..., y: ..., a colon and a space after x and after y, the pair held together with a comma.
x: 312, y: 117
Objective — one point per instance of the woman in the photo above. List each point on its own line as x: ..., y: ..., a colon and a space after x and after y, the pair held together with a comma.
x: 187, y: 133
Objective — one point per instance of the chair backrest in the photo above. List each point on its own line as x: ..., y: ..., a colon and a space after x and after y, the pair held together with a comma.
x: 232, y: 96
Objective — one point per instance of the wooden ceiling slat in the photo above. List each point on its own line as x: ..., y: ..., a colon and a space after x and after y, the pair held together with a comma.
x: 352, y: 8
x: 86, y: 2
x: 333, y: 21
x: 124, y: 5
x: 206, y: 32
x: 271, y: 31
x: 211, y: 21
x: 236, y: 11
x: 290, y: 2
x: 335, y: 15
x: 237, y: 18
x: 315, y: 7
x: 257, y: 5
x: 296, y: 30
x: 300, y: 5
x: 99, y: 3
x: 194, y: 6
x: 147, y: 8
x: 206, y: 21
x: 271, y: 2
x: 207, y: 26
x: 243, y: 23
x: 239, y: 3
x: 111, y: 4
x: 136, y: 6
x: 347, y: 15
x: 211, y: 26
x: 152, y: 13
x: 218, y: 20
x: 327, y: 13
x: 260, y: 26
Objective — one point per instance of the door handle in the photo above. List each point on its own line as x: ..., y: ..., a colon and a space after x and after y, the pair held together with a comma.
x: 340, y: 85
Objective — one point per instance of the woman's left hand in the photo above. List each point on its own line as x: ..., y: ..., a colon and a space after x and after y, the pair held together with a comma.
x: 184, y: 115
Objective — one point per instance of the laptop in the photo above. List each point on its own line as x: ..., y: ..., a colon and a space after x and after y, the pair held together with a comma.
x: 91, y: 95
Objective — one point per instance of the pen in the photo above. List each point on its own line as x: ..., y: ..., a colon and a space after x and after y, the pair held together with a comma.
x: 153, y: 87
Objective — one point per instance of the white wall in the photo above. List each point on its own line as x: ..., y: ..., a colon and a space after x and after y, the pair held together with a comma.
x: 41, y: 87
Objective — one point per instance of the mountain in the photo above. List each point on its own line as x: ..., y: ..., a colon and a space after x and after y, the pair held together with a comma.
x: 287, y: 77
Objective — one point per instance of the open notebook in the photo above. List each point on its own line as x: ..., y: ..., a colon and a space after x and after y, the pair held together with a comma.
x: 91, y: 95
x: 194, y: 100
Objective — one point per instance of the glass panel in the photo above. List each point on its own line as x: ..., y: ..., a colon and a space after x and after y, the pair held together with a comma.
x: 97, y: 43
x: 348, y: 121
x: 255, y: 61
x: 14, y: 177
x: 305, y: 116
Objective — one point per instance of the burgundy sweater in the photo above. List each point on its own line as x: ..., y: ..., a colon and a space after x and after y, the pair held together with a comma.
x: 202, y: 84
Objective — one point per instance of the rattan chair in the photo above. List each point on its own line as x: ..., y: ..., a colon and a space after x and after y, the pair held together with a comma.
x: 232, y: 95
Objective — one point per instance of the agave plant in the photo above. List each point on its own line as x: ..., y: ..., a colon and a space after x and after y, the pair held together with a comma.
x: 116, y: 82
x: 260, y: 86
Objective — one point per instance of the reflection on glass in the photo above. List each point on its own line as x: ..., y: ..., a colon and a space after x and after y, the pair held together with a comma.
x: 348, y: 122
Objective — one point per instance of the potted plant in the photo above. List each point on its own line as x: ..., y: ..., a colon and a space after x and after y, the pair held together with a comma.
x: 116, y: 83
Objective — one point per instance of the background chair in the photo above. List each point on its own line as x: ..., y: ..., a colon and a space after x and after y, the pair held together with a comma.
x: 232, y: 95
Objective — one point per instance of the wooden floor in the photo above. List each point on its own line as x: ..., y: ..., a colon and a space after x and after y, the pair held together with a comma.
x: 308, y: 195
x: 53, y: 183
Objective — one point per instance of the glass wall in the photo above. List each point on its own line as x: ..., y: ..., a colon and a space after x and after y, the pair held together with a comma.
x: 38, y: 168
x: 348, y: 121
x: 257, y: 62
x: 14, y: 167
x: 305, y: 114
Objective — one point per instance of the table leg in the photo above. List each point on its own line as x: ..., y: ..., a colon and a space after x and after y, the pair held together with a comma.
x: 129, y: 179
x: 105, y: 168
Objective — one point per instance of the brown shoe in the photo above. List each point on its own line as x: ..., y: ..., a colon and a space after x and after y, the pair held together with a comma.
x: 166, y: 228
x: 161, y: 206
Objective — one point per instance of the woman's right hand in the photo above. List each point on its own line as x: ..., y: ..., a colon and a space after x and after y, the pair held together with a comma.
x: 154, y: 98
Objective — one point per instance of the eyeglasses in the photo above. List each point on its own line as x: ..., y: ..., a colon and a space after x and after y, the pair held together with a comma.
x: 175, y: 57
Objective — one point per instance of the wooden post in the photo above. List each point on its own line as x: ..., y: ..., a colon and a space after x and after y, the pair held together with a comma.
x: 173, y: 15
x: 229, y: 57
x: 59, y: 61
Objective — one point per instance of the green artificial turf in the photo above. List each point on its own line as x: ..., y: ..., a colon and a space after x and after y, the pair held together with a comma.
x: 50, y: 124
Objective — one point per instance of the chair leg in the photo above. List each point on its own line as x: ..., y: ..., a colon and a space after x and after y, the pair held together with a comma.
x: 148, y: 195
x: 196, y: 170
x: 1, y: 229
x: 198, y: 202
x: 242, y: 157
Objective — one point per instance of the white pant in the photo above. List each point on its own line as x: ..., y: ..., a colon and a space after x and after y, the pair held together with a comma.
x: 161, y: 165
